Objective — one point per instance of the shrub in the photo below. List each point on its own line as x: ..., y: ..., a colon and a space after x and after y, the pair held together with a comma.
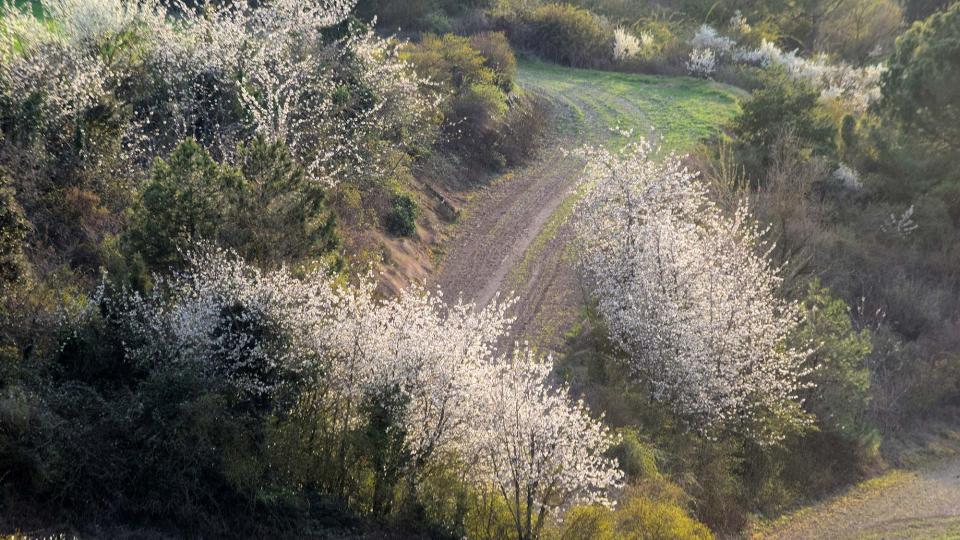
x: 842, y: 381
x: 13, y: 233
x: 476, y: 113
x: 266, y: 208
x: 402, y: 219
x: 567, y: 35
x: 498, y: 57
x: 637, y: 517
x: 522, y: 132
x: 641, y: 518
x: 782, y: 105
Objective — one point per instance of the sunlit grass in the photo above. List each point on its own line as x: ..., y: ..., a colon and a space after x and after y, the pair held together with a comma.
x: 680, y: 110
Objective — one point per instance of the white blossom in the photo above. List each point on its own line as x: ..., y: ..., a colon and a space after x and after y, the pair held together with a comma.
x: 537, y: 448
x: 687, y: 292
x: 848, y: 177
x: 702, y: 62
x: 900, y: 225
x: 625, y: 44
x: 500, y: 415
x: 292, y: 82
x: 707, y: 37
x: 738, y: 23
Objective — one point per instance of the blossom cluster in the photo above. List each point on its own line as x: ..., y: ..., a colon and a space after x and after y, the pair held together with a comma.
x: 860, y: 86
x: 702, y: 62
x: 688, y: 294
x: 333, y: 100
x: 625, y: 44
x: 500, y: 415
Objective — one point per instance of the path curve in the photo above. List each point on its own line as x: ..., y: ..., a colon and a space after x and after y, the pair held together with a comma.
x: 919, y: 504
x: 514, y: 238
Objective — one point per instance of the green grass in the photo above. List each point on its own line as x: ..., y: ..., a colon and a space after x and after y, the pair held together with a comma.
x: 599, y: 106
x: 680, y: 110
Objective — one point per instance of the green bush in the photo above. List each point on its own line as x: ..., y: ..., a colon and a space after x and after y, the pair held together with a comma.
x: 13, y: 233
x: 841, y: 395
x: 498, y: 57
x: 780, y: 106
x: 567, y: 35
x: 265, y: 208
x: 477, y: 106
x: 637, y: 517
x: 402, y: 219
x: 921, y: 87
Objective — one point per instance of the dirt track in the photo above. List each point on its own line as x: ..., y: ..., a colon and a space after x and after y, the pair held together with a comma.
x: 504, y: 221
x: 923, y: 504
x: 514, y: 239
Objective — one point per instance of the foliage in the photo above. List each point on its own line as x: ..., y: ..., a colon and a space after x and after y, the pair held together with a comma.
x: 402, y: 220
x: 689, y: 296
x: 861, y: 30
x: 479, y: 116
x: 498, y: 57
x: 13, y: 233
x: 839, y: 371
x: 230, y: 384
x: 290, y: 87
x: 266, y: 208
x: 93, y: 92
x: 183, y: 200
x: 638, y: 517
x: 566, y: 34
x: 921, y: 86
x: 780, y: 105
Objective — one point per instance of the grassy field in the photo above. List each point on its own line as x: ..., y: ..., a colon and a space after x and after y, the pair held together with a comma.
x: 601, y: 109
x: 679, y: 110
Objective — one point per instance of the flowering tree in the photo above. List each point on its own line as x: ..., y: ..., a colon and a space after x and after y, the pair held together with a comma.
x: 334, y: 101
x: 537, y: 449
x: 278, y: 341
x: 688, y: 294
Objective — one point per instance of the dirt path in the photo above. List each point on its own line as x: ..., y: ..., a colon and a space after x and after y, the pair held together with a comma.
x: 506, y: 219
x: 922, y: 504
x: 514, y: 238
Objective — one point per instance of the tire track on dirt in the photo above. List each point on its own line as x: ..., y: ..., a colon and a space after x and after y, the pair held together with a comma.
x: 506, y: 218
x: 513, y: 237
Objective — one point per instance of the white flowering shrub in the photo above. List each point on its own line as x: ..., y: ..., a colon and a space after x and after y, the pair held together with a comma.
x: 536, y: 448
x: 901, y: 225
x: 269, y: 337
x: 625, y: 44
x: 689, y: 296
x: 738, y: 23
x: 707, y: 37
x: 847, y: 177
x: 702, y: 62
x: 221, y: 76
x: 859, y: 86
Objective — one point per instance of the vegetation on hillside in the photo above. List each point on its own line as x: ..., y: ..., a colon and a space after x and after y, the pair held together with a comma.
x: 192, y: 341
